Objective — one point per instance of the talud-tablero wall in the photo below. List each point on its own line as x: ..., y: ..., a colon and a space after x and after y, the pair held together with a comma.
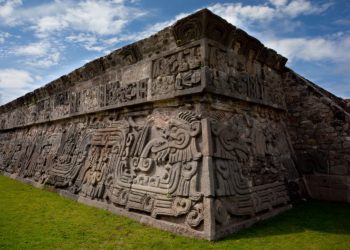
x: 198, y: 129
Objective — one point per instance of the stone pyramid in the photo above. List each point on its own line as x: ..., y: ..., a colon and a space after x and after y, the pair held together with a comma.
x: 198, y: 129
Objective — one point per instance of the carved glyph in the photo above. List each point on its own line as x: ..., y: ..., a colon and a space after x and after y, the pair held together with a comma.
x: 176, y: 72
x: 250, y: 161
x: 143, y: 163
x: 242, y: 77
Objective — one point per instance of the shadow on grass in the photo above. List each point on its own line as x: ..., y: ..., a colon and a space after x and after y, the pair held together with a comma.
x: 320, y: 216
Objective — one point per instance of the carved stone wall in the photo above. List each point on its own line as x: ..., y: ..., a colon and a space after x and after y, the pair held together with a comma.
x: 148, y: 162
x: 252, y: 163
x: 188, y: 130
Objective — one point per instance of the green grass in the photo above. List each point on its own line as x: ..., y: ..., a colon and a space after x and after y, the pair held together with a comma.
x: 31, y: 218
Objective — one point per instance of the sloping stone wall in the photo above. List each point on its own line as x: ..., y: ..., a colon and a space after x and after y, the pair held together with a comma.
x: 319, y: 128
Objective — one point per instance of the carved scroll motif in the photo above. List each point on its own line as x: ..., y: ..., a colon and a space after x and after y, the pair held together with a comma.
x: 118, y: 94
x: 70, y: 157
x: 188, y: 30
x: 75, y: 101
x: 148, y: 164
x: 89, y: 99
x: 38, y: 153
x: 230, y: 76
x: 18, y: 117
x: 15, y: 158
x: 130, y: 54
x: 176, y: 72
x: 44, y: 109
x: 202, y: 25
x: 61, y: 104
x: 147, y: 173
x: 181, y: 61
x: 249, y: 160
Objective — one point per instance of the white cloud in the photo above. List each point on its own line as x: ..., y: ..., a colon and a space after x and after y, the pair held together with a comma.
x: 93, y: 42
x: 102, y: 17
x: 298, y: 7
x: 88, y: 41
x: 34, y: 49
x: 245, y: 16
x: 7, y: 10
x: 14, y: 78
x: 333, y: 48
x: 111, y: 41
x: 15, y: 14
x: 278, y: 3
x: 4, y: 36
x: 48, y: 24
x: 46, y: 61
x: 95, y: 25
x: 99, y: 17
x: 15, y: 83
x: 345, y: 22
x: 43, y: 54
x: 150, y: 30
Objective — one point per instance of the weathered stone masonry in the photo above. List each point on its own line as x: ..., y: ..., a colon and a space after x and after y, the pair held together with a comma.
x: 199, y: 130
x: 319, y: 128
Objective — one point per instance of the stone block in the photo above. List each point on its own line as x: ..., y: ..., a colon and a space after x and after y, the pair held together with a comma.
x: 328, y: 187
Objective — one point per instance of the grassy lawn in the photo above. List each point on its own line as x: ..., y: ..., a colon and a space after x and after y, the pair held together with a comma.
x: 31, y: 218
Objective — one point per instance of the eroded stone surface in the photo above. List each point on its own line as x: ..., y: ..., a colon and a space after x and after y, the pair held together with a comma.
x: 199, y: 130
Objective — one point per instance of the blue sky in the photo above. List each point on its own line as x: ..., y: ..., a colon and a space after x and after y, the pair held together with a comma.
x: 42, y: 40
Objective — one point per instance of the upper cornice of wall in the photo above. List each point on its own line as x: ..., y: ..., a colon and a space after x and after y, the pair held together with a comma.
x: 200, y: 25
x: 205, y: 24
